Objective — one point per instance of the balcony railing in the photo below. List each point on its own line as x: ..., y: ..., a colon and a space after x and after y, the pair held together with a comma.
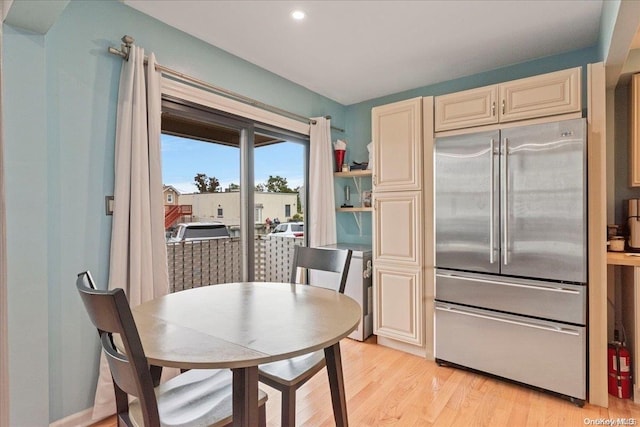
x: 208, y: 262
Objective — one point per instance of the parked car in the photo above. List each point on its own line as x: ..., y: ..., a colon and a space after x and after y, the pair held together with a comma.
x: 189, y: 231
x: 288, y: 229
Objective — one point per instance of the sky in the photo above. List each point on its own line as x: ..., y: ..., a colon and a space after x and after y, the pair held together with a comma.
x: 183, y: 158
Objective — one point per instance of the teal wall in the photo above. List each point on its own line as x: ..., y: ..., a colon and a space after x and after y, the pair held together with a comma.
x: 26, y: 170
x: 60, y: 108
x: 622, y: 190
x: 608, y: 19
x: 359, y: 115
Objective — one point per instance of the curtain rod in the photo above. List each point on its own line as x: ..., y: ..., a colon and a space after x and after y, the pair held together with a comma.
x: 123, y: 52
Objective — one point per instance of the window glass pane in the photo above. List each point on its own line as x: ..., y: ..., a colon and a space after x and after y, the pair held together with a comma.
x: 280, y: 182
x: 204, y: 246
x: 201, y: 158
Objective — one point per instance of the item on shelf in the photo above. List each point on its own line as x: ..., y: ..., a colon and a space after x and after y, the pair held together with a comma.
x: 356, y: 166
x: 340, y: 148
x: 366, y: 199
x: 613, y: 230
x: 347, y: 197
x: 345, y: 167
x: 634, y: 225
x: 370, y: 150
x: 616, y: 244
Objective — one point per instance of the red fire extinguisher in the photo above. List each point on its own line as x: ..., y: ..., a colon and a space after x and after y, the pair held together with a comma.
x: 619, y: 361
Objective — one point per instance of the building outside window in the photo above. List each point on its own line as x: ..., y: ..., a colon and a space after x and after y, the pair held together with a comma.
x: 202, y: 152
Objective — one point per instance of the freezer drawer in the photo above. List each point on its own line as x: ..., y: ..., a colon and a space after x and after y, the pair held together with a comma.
x: 543, y: 354
x: 548, y: 300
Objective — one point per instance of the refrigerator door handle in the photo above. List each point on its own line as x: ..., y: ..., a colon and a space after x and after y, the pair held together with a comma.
x: 491, y: 205
x: 505, y: 203
x: 512, y: 322
x: 514, y: 285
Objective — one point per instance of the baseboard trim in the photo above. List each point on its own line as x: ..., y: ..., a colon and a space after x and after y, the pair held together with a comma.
x: 79, y: 419
x: 407, y: 348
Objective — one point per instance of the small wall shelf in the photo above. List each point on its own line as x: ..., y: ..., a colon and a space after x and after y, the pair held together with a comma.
x: 353, y: 209
x: 357, y: 176
x: 353, y: 174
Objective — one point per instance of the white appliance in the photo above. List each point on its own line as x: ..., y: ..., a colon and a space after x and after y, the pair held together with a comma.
x: 358, y: 284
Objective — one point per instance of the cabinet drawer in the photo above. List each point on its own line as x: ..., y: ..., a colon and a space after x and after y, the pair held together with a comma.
x: 468, y: 108
x: 543, y: 354
x: 548, y: 300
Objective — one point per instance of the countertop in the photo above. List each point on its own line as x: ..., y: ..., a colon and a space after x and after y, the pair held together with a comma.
x: 355, y: 247
x: 622, y: 258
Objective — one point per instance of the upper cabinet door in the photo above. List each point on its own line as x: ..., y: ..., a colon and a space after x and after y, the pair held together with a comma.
x: 465, y: 109
x: 397, y: 146
x: 539, y: 96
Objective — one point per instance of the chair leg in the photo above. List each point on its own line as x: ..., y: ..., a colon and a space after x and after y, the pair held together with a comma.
x: 262, y: 416
x: 336, y: 384
x: 288, y: 416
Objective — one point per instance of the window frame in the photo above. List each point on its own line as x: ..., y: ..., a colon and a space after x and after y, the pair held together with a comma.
x: 196, y: 103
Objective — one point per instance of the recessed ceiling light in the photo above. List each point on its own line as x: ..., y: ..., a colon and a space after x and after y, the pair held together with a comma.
x: 298, y: 15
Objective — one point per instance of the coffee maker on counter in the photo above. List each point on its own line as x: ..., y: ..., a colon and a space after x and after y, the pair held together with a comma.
x: 633, y: 223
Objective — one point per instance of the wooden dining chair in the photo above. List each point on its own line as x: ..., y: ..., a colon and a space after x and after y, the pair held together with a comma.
x: 289, y: 375
x: 194, y: 398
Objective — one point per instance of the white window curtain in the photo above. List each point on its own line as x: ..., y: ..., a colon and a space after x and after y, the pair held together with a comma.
x: 138, y: 252
x: 321, y: 210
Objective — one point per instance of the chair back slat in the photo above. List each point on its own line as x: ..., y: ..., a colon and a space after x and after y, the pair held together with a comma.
x: 102, y: 310
x: 121, y: 370
x: 110, y: 313
x: 336, y: 261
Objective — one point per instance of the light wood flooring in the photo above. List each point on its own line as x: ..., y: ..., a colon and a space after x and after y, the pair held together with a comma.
x: 386, y: 387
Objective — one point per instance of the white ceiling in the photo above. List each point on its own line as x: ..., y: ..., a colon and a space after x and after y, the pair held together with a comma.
x: 351, y: 51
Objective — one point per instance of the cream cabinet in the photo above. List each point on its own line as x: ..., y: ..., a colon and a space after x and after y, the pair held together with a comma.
x: 398, y: 307
x: 634, y: 132
x: 398, y: 230
x: 538, y: 96
x: 397, y: 146
x: 475, y: 107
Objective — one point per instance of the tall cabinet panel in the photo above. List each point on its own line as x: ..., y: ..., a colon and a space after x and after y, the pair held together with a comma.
x: 397, y: 148
x: 398, y: 303
x: 398, y: 230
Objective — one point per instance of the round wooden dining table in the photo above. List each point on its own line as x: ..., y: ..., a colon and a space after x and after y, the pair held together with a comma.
x: 242, y: 325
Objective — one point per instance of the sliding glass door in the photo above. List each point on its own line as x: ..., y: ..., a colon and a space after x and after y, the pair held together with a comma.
x: 229, y: 186
x: 280, y: 182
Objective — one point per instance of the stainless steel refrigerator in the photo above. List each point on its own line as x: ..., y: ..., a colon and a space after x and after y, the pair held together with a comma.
x: 511, y: 257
